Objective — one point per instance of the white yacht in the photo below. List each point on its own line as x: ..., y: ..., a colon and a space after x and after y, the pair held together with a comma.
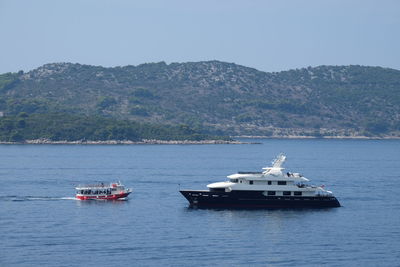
x: 271, y: 188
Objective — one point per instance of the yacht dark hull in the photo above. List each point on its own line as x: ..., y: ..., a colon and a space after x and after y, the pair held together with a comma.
x: 254, y: 199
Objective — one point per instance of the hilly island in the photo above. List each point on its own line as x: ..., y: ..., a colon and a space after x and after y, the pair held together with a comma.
x: 197, y: 101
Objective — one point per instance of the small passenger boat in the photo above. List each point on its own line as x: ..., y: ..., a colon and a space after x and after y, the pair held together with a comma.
x: 102, y: 191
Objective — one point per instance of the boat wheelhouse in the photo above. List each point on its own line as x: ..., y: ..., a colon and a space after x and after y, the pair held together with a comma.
x: 102, y: 191
x: 270, y: 188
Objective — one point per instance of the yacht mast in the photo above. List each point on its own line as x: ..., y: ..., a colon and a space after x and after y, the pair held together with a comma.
x: 277, y: 163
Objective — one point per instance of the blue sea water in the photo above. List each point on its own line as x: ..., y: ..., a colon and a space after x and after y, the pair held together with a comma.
x: 41, y: 224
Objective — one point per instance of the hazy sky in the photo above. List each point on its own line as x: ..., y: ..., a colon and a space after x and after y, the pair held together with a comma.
x: 268, y: 35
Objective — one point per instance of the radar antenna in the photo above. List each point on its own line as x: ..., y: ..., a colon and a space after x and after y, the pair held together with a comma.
x: 277, y: 163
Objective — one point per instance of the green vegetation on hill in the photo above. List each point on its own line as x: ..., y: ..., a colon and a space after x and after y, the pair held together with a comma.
x: 223, y: 98
x: 8, y: 80
x: 60, y: 127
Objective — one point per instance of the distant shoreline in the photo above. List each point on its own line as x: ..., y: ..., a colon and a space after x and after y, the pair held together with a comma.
x: 127, y: 142
x: 189, y: 142
x: 320, y: 137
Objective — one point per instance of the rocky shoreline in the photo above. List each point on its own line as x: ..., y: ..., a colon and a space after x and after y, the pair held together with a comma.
x: 191, y: 142
x: 128, y: 142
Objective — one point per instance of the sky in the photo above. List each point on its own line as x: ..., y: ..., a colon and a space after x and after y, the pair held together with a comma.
x: 269, y: 35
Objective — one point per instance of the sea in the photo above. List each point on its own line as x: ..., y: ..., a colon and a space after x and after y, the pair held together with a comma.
x: 42, y: 224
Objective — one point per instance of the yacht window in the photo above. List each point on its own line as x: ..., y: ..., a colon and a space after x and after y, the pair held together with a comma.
x: 240, y: 181
x: 234, y: 180
x: 286, y: 193
x: 250, y: 182
x: 297, y: 193
x: 271, y: 193
x: 269, y: 182
x: 281, y: 182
